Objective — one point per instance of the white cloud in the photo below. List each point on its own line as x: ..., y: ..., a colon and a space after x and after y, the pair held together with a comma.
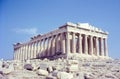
x: 29, y: 31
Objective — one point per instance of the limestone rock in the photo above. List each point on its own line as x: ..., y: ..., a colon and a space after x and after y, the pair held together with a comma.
x: 51, y: 77
x: 28, y: 67
x: 50, y: 69
x: 42, y: 72
x: 72, y: 68
x: 64, y: 75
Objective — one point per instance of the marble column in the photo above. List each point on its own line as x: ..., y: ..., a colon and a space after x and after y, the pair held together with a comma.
x: 38, y: 48
x: 28, y: 51
x: 96, y: 47
x: 91, y: 45
x: 85, y: 45
x: 25, y: 51
x: 62, y: 36
x: 67, y: 43
x: 53, y: 45
x: 43, y: 48
x: 57, y: 43
x: 32, y: 50
x: 80, y: 44
x: 34, y: 56
x: 48, y: 46
x: 19, y: 53
x: 101, y: 47
x: 105, y: 47
x: 73, y: 43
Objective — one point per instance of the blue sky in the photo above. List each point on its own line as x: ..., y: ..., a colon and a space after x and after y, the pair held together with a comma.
x: 21, y: 19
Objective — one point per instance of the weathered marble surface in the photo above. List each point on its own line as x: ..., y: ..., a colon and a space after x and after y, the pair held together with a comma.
x: 61, y: 69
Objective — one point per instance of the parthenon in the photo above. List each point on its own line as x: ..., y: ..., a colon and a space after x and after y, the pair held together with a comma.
x: 70, y: 38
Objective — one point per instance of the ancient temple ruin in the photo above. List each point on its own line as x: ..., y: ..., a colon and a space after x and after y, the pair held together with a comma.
x: 70, y: 38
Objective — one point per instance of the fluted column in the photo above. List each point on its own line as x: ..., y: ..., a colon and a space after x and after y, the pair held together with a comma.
x: 23, y: 52
x: 96, y: 47
x: 57, y: 43
x: 43, y: 48
x: 80, y: 44
x: 73, y: 43
x: 17, y: 54
x: 101, y: 47
x: 105, y: 47
x: 20, y: 53
x: 53, y: 45
x: 62, y: 43
x: 91, y: 45
x: 34, y: 56
x: 86, y: 45
x: 26, y: 56
x: 67, y: 43
x: 48, y: 46
x: 32, y: 53
x: 37, y: 48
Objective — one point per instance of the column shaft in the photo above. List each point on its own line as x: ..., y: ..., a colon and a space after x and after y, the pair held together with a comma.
x: 67, y: 43
x: 91, y: 45
x: 96, y: 47
x: 105, y: 47
x: 86, y: 45
x: 73, y: 43
x: 62, y: 43
x: 80, y: 44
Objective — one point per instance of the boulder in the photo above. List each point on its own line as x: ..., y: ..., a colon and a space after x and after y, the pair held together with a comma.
x: 51, y: 77
x: 64, y: 75
x: 42, y: 72
x: 28, y: 67
x: 50, y: 69
x: 72, y: 68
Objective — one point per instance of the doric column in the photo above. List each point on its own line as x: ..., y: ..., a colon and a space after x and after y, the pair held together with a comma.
x: 67, y: 43
x: 48, y: 46
x: 53, y: 45
x: 23, y: 53
x: 62, y: 42
x: 73, y: 43
x: 34, y: 56
x: 57, y: 43
x: 96, y: 47
x: 85, y: 45
x: 101, y: 47
x: 26, y: 56
x: 20, y: 51
x: 40, y: 48
x: 17, y: 53
x: 105, y: 47
x: 91, y: 45
x: 32, y: 52
x: 28, y: 51
x: 79, y: 44
x: 43, y: 48
x: 37, y: 48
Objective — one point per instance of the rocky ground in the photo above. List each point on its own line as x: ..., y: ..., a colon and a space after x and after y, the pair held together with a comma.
x: 61, y: 69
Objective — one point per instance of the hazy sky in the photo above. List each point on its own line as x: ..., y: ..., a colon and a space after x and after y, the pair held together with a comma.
x: 21, y: 19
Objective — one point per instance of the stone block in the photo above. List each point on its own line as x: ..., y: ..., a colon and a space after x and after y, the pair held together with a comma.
x: 72, y: 68
x: 42, y: 72
x: 28, y: 67
x: 64, y: 75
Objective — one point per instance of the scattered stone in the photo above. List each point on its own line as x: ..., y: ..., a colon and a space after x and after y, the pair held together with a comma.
x: 42, y: 72
x: 49, y: 69
x: 28, y: 67
x: 64, y: 75
x: 72, y: 68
